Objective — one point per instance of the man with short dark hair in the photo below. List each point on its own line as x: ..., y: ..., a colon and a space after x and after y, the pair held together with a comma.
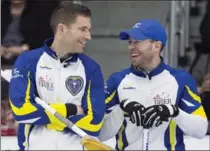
x: 69, y: 81
x: 150, y: 94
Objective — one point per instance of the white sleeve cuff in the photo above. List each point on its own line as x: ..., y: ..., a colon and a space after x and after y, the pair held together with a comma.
x: 171, y: 110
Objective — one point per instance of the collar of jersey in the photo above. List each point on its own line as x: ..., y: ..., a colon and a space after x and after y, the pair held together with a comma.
x: 49, y: 51
x: 154, y: 72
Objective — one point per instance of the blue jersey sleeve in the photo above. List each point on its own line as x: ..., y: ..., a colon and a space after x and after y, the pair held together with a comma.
x: 190, y: 101
x: 93, y: 105
x: 22, y: 93
x: 22, y: 90
x: 111, y: 94
x: 111, y: 89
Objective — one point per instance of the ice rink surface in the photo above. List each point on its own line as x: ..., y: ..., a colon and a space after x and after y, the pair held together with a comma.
x: 10, y: 143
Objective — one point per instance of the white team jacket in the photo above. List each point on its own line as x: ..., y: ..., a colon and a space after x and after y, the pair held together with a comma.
x: 39, y: 72
x: 164, y: 85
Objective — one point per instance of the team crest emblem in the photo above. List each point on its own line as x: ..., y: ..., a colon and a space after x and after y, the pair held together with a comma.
x: 74, y: 84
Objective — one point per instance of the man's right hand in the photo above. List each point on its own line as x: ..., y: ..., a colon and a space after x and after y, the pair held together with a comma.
x: 80, y: 110
x: 133, y: 110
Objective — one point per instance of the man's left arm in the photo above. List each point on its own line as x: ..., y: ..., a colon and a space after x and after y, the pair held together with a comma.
x: 93, y: 104
x: 191, y: 118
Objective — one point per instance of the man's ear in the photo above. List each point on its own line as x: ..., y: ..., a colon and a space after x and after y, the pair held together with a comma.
x: 158, y: 45
x: 61, y: 28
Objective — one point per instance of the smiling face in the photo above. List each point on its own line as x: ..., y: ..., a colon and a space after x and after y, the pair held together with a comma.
x: 142, y: 52
x: 75, y: 36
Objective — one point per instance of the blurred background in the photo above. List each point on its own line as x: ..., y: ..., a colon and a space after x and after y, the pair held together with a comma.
x: 25, y: 25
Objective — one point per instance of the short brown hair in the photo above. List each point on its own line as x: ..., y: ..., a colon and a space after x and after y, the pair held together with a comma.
x: 67, y: 14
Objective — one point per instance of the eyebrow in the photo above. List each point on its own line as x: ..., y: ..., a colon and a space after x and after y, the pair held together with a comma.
x: 152, y: 40
x: 133, y: 40
x: 84, y: 27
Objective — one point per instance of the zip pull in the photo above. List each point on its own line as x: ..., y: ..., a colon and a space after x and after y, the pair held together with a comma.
x: 148, y: 76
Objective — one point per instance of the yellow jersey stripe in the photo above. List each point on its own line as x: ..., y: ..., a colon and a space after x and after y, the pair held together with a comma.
x: 193, y: 95
x: 200, y: 111
x: 27, y: 107
x: 26, y: 133
x: 27, y: 96
x: 85, y: 122
x: 55, y: 123
x: 172, y: 133
x: 110, y: 97
x: 120, y: 139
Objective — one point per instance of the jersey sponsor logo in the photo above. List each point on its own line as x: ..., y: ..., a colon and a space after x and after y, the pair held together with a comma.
x: 129, y: 88
x: 45, y: 67
x: 16, y: 74
x: 162, y: 98
x: 74, y: 84
x: 46, y: 82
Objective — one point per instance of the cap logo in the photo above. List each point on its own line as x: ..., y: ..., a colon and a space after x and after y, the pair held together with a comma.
x: 137, y: 25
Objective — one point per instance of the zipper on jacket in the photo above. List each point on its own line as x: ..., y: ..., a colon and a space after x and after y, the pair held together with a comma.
x: 148, y: 79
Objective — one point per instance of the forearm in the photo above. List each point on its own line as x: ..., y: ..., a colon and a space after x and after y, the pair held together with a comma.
x: 37, y: 115
x: 65, y: 110
x: 29, y: 113
x: 112, y: 124
x: 91, y: 123
x: 192, y: 125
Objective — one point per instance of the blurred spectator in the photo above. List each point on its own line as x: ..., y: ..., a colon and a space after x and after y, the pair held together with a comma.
x: 205, y: 30
x: 8, y: 124
x: 202, y: 71
x: 24, y: 26
x: 205, y: 86
x: 204, y: 91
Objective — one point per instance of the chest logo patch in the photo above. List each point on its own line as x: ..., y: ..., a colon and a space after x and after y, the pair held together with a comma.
x: 74, y: 84
x: 162, y: 98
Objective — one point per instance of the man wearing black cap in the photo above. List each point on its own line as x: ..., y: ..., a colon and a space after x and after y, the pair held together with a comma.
x: 151, y: 94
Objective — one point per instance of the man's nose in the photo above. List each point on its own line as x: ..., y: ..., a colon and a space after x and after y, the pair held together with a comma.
x: 88, y: 36
x: 131, y: 46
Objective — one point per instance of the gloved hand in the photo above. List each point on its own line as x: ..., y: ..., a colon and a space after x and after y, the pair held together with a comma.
x: 156, y: 114
x: 133, y: 110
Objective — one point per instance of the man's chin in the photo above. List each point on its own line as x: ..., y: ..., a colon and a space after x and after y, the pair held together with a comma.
x: 78, y: 51
x: 134, y: 63
x: 81, y: 51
